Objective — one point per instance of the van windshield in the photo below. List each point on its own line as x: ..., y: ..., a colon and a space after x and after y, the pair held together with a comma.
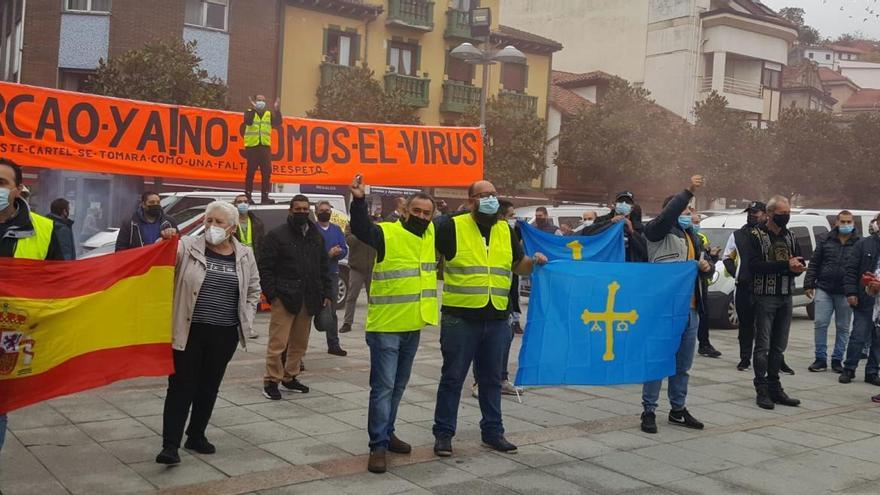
x: 717, y: 236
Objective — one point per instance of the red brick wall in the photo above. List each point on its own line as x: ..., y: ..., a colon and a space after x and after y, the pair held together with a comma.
x: 254, y: 27
x: 39, y: 58
x: 135, y: 23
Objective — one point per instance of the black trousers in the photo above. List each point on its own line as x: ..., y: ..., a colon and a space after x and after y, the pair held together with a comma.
x: 198, y: 371
x: 258, y: 157
x: 772, y: 326
x: 703, y: 332
x: 745, y: 312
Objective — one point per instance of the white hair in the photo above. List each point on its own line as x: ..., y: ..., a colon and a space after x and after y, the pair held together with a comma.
x: 775, y: 201
x: 226, y: 209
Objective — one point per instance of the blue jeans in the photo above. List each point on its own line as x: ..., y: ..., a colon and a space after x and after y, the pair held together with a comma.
x: 2, y: 430
x: 678, y: 383
x: 391, y: 360
x: 864, y: 333
x: 827, y: 304
x: 462, y: 341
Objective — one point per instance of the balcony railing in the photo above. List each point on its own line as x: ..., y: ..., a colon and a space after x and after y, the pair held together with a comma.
x: 414, y: 89
x: 523, y: 101
x: 459, y: 97
x: 735, y: 86
x: 458, y: 24
x: 330, y: 71
x: 416, y: 14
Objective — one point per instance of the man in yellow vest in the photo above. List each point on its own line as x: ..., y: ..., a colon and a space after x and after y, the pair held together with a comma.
x: 258, y: 124
x: 23, y: 233
x: 403, y: 300
x: 481, y: 253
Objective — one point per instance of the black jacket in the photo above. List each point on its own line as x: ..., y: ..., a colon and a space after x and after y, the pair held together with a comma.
x: 635, y: 244
x: 64, y: 231
x: 743, y: 243
x: 826, y: 270
x: 259, y: 232
x: 294, y: 267
x: 21, y: 226
x: 130, y: 236
x: 862, y: 258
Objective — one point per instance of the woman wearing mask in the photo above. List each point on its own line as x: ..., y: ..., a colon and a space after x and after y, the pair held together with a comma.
x: 216, y: 287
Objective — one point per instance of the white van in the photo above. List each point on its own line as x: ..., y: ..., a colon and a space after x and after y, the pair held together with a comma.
x: 721, y: 308
x: 862, y: 218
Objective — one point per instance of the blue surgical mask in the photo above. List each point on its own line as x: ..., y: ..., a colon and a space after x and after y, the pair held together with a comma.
x: 4, y: 198
x: 242, y: 208
x: 846, y: 229
x: 260, y: 105
x: 488, y: 206
x: 623, y: 208
x: 685, y: 221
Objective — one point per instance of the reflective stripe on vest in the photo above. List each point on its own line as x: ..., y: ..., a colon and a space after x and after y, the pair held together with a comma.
x: 476, y: 276
x: 260, y: 132
x: 36, y: 247
x: 403, y: 290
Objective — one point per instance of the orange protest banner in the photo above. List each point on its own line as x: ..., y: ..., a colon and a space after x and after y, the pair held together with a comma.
x: 43, y: 127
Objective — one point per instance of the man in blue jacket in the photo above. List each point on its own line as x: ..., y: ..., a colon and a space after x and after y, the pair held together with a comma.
x: 337, y: 249
x: 862, y: 259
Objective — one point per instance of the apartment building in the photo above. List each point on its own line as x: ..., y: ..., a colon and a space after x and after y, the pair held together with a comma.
x: 802, y: 88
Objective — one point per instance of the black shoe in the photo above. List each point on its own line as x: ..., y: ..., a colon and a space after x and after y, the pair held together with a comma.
x: 168, y: 456
x: 781, y: 398
x: 872, y: 379
x: 786, y: 369
x: 345, y: 328
x: 270, y: 391
x: 200, y: 445
x: 709, y: 351
x: 744, y: 365
x: 443, y: 446
x: 295, y: 385
x: 649, y: 422
x: 847, y: 376
x: 684, y: 418
x: 763, y: 400
x: 836, y: 366
x: 501, y: 445
x: 818, y: 365
x: 398, y: 446
x: 337, y: 351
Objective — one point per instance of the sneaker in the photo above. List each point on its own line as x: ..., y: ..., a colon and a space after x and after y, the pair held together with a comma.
x: 295, y: 385
x: 398, y: 446
x: 818, y: 365
x: 872, y: 379
x: 517, y: 329
x: 649, y: 422
x: 684, y: 418
x: 786, y: 369
x: 378, y: 463
x: 253, y: 335
x: 168, y: 456
x: 744, y: 365
x: 709, y: 351
x: 270, y: 391
x: 200, y: 445
x: 345, y: 328
x: 475, y: 393
x: 508, y: 388
x: 847, y: 376
x: 501, y: 444
x: 443, y: 446
x: 781, y: 398
x: 337, y: 351
x: 836, y: 366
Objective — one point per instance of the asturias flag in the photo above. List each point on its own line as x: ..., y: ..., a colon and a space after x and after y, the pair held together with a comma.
x: 68, y: 326
x: 605, y: 323
x: 603, y: 246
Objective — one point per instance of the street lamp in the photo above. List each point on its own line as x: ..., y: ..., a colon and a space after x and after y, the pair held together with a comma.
x: 473, y: 55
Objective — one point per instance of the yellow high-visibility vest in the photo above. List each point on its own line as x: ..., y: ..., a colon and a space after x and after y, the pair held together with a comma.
x: 36, y: 247
x: 477, y: 274
x: 260, y: 132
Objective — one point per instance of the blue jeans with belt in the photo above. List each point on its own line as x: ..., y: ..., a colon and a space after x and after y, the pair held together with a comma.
x: 391, y: 360
x: 678, y: 383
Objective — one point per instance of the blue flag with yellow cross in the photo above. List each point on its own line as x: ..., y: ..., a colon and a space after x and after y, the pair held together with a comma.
x: 592, y: 323
x: 607, y: 245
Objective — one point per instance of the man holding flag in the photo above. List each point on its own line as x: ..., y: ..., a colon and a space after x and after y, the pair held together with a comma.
x: 671, y: 239
x: 481, y: 254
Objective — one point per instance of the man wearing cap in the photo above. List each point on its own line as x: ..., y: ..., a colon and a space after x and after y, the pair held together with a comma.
x: 625, y: 210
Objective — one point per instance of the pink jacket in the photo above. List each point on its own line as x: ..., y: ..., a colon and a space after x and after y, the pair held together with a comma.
x: 188, y: 277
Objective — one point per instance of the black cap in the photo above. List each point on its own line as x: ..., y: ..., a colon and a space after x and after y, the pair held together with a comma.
x: 625, y: 195
x: 755, y: 206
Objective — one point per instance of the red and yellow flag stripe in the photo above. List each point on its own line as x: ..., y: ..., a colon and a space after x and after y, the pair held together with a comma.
x: 75, y: 325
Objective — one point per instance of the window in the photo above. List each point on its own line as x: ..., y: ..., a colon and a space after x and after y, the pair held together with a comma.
x: 827, y: 56
x: 465, y: 5
x: 514, y: 77
x: 802, y: 237
x: 403, y: 58
x: 73, y: 80
x: 206, y: 13
x: 88, y: 5
x: 810, y: 55
x: 341, y: 48
x: 459, y: 70
x: 771, y: 78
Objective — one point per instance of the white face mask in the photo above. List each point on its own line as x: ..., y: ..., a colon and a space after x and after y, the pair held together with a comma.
x: 588, y: 223
x: 215, y: 235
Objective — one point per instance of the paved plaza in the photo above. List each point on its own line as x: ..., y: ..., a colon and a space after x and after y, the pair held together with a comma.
x: 583, y: 440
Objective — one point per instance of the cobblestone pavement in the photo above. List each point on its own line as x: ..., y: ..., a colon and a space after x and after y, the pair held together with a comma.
x: 578, y: 440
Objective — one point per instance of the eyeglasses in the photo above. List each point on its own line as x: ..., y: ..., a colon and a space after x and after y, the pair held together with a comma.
x: 485, y: 195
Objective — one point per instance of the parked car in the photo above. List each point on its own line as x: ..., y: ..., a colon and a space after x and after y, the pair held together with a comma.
x: 807, y: 229
x: 862, y: 218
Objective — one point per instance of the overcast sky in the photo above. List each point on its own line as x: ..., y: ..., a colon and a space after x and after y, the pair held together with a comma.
x: 831, y: 21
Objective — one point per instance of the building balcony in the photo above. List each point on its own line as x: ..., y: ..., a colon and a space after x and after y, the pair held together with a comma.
x: 413, y: 14
x: 458, y: 25
x: 742, y: 95
x: 414, y: 89
x: 330, y: 71
x: 459, y: 97
x: 523, y: 101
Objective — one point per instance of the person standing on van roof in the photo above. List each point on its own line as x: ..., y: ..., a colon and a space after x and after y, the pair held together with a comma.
x: 259, y: 122
x: 862, y: 260
x: 774, y: 261
x: 824, y: 285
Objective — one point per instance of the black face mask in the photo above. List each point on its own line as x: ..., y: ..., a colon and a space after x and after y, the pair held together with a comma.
x: 752, y: 221
x: 781, y: 220
x: 324, y: 216
x: 299, y: 219
x: 416, y: 225
x: 154, y: 210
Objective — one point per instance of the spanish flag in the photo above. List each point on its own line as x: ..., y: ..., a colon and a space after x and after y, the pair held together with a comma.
x: 68, y: 326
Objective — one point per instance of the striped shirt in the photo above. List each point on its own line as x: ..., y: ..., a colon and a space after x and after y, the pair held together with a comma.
x: 217, y: 303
